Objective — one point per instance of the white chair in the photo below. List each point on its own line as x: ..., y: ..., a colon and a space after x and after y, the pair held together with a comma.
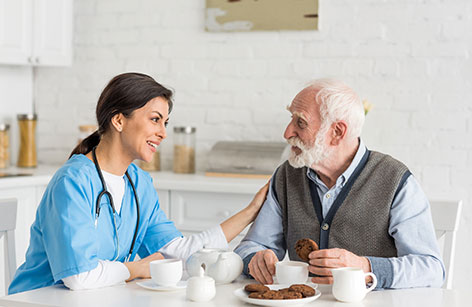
x: 446, y: 216
x: 7, y: 229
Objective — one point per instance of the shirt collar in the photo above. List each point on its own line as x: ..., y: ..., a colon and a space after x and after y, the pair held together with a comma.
x: 347, y: 173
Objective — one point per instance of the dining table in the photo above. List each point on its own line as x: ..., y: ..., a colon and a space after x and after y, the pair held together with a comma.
x: 132, y: 294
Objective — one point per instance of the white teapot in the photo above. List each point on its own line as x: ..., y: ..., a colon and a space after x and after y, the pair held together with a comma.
x: 220, y: 264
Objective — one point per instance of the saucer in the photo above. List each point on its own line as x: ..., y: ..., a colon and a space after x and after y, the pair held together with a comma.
x: 150, y: 285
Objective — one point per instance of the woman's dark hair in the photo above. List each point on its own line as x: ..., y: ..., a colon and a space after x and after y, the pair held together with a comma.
x: 123, y: 94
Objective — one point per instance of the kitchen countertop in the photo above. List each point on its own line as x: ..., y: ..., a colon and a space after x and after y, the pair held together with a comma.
x: 42, y: 174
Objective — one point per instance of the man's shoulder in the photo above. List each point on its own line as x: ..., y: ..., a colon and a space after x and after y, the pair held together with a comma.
x: 386, y: 160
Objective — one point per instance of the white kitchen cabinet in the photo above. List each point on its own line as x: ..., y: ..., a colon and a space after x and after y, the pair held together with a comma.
x: 28, y: 198
x: 197, y: 211
x: 36, y: 32
x: 164, y: 201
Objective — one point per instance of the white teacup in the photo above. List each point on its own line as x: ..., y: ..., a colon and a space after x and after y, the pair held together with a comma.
x: 291, y: 272
x: 166, y: 272
x: 349, y: 284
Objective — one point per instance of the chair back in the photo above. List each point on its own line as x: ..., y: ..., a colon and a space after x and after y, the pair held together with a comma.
x: 7, y: 230
x: 446, y: 216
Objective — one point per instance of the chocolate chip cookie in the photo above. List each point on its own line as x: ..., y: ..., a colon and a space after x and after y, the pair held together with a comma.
x: 256, y: 295
x: 304, y: 247
x: 256, y: 288
x: 305, y: 290
x: 272, y: 295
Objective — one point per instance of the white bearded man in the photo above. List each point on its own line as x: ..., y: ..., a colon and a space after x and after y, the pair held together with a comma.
x: 363, y: 208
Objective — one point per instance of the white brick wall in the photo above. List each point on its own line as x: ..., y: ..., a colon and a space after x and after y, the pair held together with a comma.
x: 410, y: 58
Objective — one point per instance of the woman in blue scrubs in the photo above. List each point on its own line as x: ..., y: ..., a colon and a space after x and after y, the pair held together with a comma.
x: 100, y: 210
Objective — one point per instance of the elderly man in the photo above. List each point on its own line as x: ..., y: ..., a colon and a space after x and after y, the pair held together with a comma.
x: 363, y: 208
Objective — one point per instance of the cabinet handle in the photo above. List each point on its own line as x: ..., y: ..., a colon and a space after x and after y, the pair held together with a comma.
x: 36, y: 59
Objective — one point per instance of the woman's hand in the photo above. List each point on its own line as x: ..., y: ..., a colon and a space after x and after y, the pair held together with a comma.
x: 259, y: 199
x: 235, y: 224
x: 140, y: 268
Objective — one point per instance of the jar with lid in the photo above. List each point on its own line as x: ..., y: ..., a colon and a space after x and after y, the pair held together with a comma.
x: 4, y: 145
x: 27, y: 153
x: 184, y: 150
x: 154, y: 165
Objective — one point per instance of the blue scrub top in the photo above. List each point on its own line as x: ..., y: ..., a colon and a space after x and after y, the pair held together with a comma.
x: 64, y: 240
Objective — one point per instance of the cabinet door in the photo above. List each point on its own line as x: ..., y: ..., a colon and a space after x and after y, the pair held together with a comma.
x: 52, y: 32
x: 16, y: 24
x: 164, y: 201
x: 197, y: 211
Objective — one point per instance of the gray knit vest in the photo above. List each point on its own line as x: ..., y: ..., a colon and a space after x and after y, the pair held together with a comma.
x: 360, y: 224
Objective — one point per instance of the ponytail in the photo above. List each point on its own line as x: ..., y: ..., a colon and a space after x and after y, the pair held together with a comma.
x: 87, y: 144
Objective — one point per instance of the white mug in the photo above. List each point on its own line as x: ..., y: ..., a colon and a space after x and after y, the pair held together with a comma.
x: 349, y: 284
x: 291, y: 272
x: 166, y: 272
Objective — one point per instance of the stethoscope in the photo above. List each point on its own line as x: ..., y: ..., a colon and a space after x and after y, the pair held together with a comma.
x: 97, y: 207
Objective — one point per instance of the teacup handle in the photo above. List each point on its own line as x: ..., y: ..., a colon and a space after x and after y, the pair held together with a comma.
x: 374, y: 282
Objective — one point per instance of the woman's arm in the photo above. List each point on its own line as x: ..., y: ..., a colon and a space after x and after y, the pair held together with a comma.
x: 235, y: 224
x: 109, y: 273
x: 218, y: 236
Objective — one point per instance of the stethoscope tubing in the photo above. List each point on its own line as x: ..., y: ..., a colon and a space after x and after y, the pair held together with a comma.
x: 107, y: 193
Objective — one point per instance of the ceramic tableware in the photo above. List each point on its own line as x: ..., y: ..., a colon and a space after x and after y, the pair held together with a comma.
x: 166, y: 272
x: 349, y: 284
x: 221, y: 265
x: 291, y: 272
x: 201, y: 288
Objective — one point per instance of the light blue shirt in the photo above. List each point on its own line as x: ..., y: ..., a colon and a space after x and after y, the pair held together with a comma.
x: 64, y: 240
x: 418, y: 263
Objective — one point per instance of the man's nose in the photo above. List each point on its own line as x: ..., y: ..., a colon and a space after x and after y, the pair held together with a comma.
x: 289, y: 131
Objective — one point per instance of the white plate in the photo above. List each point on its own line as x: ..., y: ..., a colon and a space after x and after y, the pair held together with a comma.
x: 150, y: 285
x: 243, y: 296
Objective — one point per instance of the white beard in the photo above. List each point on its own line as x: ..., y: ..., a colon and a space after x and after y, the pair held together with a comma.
x: 309, y: 156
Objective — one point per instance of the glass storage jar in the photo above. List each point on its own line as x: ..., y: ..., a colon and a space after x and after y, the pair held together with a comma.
x: 184, y: 150
x: 4, y: 145
x: 154, y: 165
x: 27, y: 153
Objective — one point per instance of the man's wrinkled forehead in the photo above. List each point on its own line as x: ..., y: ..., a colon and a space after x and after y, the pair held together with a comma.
x: 304, y: 103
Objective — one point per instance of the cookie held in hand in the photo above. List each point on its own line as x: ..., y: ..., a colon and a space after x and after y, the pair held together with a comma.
x: 304, y: 247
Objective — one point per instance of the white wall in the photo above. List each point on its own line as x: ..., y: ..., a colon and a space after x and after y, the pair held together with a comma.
x: 410, y: 58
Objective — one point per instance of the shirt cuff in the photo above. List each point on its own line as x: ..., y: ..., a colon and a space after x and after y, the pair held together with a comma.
x: 383, y: 270
x: 246, y: 261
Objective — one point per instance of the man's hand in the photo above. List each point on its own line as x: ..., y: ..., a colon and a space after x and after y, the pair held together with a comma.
x: 140, y: 268
x: 262, y: 266
x: 323, y: 260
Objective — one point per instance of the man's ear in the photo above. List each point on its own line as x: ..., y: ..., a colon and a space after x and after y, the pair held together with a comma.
x: 339, y: 131
x: 117, y: 122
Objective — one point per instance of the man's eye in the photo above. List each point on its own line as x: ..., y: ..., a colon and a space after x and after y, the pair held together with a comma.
x: 301, y: 123
x: 165, y: 124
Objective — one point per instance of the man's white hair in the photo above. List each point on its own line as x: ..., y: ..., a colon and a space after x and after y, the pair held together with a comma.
x: 337, y: 102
